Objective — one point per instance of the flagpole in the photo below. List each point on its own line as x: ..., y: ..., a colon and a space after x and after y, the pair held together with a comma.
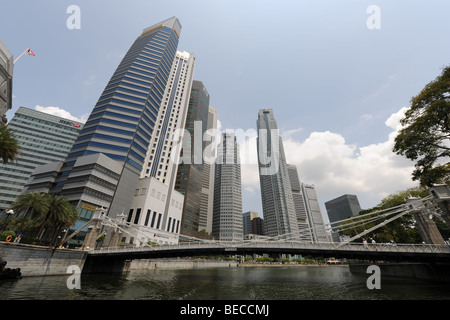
x: 21, y: 55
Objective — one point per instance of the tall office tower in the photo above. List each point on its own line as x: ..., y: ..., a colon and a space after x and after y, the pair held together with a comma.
x: 277, y: 201
x: 156, y: 204
x: 193, y: 173
x: 209, y: 156
x: 299, y: 204
x: 6, y: 74
x: 247, y: 218
x: 315, y: 219
x: 227, y: 213
x: 105, y: 164
x: 42, y: 138
x: 341, y: 208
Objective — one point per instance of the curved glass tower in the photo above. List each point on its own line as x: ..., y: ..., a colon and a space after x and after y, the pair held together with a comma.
x: 121, y: 124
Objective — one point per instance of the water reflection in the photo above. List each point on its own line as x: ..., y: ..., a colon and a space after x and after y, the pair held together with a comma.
x: 243, y: 283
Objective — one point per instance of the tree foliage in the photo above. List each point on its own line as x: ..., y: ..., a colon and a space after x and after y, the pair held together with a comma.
x: 43, y: 211
x: 9, y: 147
x: 425, y: 136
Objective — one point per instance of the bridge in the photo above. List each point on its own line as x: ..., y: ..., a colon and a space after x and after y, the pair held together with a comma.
x: 433, y: 250
x: 113, y: 259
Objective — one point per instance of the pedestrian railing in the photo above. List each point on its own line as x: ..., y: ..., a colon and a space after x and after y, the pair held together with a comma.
x: 233, y: 245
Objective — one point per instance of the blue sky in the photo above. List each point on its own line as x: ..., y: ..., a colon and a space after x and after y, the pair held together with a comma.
x: 337, y: 87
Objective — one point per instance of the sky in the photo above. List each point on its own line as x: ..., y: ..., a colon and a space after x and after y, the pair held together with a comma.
x: 338, y: 74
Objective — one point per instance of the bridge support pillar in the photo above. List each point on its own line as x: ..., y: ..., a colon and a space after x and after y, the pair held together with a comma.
x: 441, y: 194
x: 91, y: 237
x: 115, y: 237
x: 427, y: 227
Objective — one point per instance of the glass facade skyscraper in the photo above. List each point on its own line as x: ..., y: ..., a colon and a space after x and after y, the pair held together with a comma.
x: 122, y: 122
x: 276, y: 193
x: 193, y: 176
x: 42, y: 138
x: 105, y: 164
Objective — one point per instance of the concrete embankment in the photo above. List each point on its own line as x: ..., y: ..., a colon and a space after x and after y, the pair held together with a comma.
x: 153, y: 264
x: 40, y: 261
x: 420, y: 271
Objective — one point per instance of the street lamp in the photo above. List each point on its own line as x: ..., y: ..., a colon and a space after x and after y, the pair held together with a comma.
x: 9, y: 213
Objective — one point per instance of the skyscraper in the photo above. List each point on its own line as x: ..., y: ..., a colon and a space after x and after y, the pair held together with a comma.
x: 6, y: 75
x: 106, y: 162
x: 207, y: 201
x: 157, y: 206
x: 42, y: 138
x: 194, y: 173
x: 315, y: 218
x: 276, y: 193
x: 247, y: 218
x: 299, y: 204
x: 227, y: 213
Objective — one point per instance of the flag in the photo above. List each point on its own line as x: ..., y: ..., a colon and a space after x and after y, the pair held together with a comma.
x: 30, y: 52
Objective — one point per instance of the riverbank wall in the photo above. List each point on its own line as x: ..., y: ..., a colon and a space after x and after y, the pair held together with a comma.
x: 154, y: 264
x: 40, y: 261
x: 439, y: 272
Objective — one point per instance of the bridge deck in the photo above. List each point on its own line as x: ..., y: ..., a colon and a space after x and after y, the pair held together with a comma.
x: 396, y: 252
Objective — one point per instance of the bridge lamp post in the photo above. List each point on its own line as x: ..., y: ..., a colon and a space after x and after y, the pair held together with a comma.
x: 9, y: 213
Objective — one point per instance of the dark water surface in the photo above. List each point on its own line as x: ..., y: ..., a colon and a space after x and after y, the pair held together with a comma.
x: 242, y: 283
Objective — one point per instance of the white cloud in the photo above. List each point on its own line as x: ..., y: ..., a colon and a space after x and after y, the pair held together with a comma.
x: 335, y: 168
x: 57, y: 111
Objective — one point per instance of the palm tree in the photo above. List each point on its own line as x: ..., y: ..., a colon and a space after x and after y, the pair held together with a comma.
x: 51, y: 212
x: 9, y: 148
x: 33, y: 205
x: 60, y: 214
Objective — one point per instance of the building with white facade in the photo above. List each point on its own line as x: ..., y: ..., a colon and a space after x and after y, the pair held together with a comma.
x: 157, y: 206
x: 227, y: 212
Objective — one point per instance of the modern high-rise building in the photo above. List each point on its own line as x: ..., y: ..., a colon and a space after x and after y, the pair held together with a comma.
x: 252, y: 223
x: 341, y: 208
x: 299, y: 204
x: 247, y: 218
x: 276, y: 193
x: 156, y: 204
x: 227, y: 213
x: 42, y: 138
x: 316, y: 223
x: 6, y: 75
x: 194, y: 173
x: 209, y: 157
x: 109, y: 157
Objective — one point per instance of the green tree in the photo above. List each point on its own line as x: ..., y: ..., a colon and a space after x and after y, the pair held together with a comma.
x: 48, y: 212
x: 34, y: 205
x: 59, y: 215
x: 9, y: 148
x: 425, y: 135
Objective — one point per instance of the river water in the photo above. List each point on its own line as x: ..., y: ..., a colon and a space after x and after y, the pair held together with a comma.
x: 241, y: 283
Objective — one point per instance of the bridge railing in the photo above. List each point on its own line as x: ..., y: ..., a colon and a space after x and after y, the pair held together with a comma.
x: 382, y: 247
